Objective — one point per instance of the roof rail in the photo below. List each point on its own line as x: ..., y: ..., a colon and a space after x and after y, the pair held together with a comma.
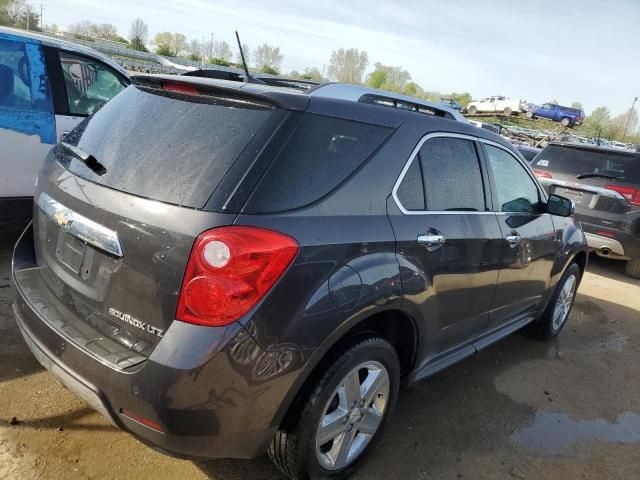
x: 359, y: 93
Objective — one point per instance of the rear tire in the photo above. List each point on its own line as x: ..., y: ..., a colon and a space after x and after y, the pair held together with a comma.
x: 565, y: 122
x: 327, y: 409
x: 555, y: 316
x: 507, y: 111
x: 632, y: 268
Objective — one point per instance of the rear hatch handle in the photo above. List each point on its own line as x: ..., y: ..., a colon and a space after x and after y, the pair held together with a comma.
x: 89, y: 160
x: 598, y: 175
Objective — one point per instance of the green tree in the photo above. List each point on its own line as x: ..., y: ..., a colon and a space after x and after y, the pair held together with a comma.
x: 577, y: 105
x: 267, y: 58
x: 413, y: 90
x: 18, y: 14
x: 138, y: 34
x: 388, y: 77
x: 312, y: 73
x: 463, y: 99
x: 596, y: 123
x: 348, y: 65
x: 170, y: 44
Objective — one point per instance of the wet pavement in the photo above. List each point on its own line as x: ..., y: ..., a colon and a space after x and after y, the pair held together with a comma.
x: 521, y: 409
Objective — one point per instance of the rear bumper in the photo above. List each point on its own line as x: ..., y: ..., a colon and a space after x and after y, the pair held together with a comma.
x: 623, y: 243
x: 201, y: 386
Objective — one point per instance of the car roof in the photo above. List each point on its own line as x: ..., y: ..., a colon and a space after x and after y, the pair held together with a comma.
x: 64, y: 45
x: 296, y: 99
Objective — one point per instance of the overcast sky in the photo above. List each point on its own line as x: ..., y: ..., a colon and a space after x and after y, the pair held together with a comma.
x: 584, y: 51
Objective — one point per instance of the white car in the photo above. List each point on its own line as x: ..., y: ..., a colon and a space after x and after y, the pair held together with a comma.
x: 497, y: 104
x: 47, y: 86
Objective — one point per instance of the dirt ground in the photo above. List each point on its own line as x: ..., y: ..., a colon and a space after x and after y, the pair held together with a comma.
x: 521, y: 409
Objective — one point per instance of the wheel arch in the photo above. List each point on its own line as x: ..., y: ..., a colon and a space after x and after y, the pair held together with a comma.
x: 394, y: 325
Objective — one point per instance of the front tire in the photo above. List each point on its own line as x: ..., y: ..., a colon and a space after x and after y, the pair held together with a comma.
x: 529, y: 115
x: 472, y: 110
x: 555, y: 316
x: 632, y: 268
x: 327, y: 434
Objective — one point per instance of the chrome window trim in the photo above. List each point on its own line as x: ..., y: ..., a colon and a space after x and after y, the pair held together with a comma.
x: 79, y: 226
x: 414, y: 154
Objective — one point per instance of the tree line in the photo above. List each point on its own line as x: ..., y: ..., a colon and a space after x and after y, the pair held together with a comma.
x: 347, y: 65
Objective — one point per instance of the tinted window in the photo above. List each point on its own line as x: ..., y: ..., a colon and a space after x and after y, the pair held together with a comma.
x: 165, y: 146
x: 15, y: 84
x: 320, y: 154
x: 514, y: 189
x: 89, y: 83
x: 411, y: 191
x: 452, y: 178
x: 576, y: 161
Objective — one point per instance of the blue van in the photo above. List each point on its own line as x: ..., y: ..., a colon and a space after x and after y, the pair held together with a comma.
x: 47, y: 86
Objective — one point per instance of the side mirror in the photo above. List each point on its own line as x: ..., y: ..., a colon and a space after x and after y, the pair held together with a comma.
x: 561, y: 206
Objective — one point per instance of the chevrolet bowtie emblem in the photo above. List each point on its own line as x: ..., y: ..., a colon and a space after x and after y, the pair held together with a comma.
x: 61, y: 219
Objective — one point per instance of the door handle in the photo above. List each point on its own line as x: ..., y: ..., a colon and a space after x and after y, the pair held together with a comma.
x: 432, y: 241
x: 514, y: 240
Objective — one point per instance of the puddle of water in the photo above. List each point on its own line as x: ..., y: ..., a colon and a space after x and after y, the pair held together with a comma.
x: 557, y: 433
x: 612, y: 343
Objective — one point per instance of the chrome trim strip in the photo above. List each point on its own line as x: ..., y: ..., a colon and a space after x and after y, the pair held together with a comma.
x: 580, y: 186
x: 414, y: 153
x: 79, y: 226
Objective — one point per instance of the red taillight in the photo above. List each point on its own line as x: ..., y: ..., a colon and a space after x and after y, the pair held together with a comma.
x: 630, y: 193
x: 606, y: 233
x: 542, y: 174
x: 180, y: 88
x: 230, y: 269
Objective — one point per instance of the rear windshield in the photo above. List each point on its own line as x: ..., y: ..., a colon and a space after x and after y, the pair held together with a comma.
x: 320, y: 154
x: 574, y: 161
x: 165, y: 146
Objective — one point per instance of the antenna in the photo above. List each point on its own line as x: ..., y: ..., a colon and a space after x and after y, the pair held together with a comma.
x: 248, y: 78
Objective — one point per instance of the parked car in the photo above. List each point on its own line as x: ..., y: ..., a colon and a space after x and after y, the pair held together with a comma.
x: 528, y: 152
x: 451, y: 103
x: 604, y: 183
x: 567, y: 116
x: 47, y: 86
x: 497, y: 104
x: 224, y: 269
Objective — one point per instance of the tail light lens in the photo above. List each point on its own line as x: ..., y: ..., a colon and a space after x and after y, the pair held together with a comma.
x: 229, y: 271
x: 630, y: 193
x: 542, y: 174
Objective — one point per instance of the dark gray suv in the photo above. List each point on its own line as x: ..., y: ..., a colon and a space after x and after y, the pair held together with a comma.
x: 604, y: 183
x: 224, y: 269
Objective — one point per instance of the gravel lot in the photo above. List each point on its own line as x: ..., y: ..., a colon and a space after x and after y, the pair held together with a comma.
x: 521, y: 409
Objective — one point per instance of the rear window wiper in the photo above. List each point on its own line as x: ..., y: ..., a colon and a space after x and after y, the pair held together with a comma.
x: 598, y: 175
x: 89, y: 160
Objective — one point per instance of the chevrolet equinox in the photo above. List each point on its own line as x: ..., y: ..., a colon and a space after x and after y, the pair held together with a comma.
x: 224, y: 269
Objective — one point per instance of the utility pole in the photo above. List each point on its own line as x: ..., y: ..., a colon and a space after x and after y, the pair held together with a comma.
x: 624, y: 135
x: 28, y: 7
x: 41, y: 18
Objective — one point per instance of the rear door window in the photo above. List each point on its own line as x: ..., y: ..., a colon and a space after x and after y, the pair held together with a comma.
x: 89, y: 83
x: 411, y: 190
x: 452, y: 176
x: 165, y: 146
x: 623, y: 166
x: 320, y: 154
